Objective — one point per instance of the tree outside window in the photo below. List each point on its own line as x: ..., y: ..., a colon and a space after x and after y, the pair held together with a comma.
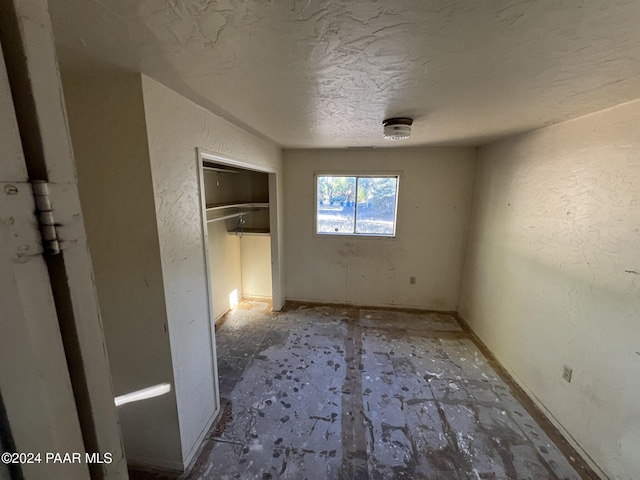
x: 356, y: 205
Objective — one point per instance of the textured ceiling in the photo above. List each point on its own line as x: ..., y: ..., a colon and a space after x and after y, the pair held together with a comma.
x: 314, y: 73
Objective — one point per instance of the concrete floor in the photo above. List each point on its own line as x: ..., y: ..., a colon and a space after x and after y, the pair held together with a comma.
x: 331, y: 392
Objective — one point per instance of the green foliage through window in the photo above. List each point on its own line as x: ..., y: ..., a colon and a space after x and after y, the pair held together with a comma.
x: 356, y: 205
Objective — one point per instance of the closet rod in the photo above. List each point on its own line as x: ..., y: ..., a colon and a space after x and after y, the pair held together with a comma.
x: 217, y: 170
x: 233, y: 215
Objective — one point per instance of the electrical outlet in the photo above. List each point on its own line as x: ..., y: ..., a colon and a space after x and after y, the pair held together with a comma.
x: 566, y: 373
x: 412, y: 280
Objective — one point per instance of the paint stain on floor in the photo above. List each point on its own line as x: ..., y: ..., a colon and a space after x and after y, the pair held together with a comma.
x: 331, y: 392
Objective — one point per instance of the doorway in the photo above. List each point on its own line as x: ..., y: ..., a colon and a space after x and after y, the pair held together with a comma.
x: 240, y: 227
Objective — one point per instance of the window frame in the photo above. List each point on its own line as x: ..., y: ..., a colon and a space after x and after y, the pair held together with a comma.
x: 360, y: 174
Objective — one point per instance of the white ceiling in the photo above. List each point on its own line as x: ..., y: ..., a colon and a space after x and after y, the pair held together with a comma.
x: 325, y: 73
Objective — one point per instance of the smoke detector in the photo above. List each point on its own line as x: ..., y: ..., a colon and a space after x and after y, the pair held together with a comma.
x: 397, y: 128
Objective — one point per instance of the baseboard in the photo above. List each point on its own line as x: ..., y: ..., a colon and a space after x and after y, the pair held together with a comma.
x: 391, y: 306
x: 221, y: 316
x: 244, y: 297
x: 538, y: 404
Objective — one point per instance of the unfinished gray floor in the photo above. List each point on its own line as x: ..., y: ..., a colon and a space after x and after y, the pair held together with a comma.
x: 343, y: 393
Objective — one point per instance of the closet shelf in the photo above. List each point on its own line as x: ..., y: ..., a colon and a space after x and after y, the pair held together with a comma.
x: 251, y: 231
x: 225, y: 211
x: 221, y: 206
x: 206, y: 169
x: 231, y: 215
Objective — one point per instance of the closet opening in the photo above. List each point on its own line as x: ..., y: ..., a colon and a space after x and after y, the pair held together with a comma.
x: 240, y: 229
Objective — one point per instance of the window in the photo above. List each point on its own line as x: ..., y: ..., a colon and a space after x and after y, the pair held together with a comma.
x: 356, y: 205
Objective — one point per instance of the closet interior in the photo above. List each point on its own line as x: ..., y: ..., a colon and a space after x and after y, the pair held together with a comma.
x: 237, y: 209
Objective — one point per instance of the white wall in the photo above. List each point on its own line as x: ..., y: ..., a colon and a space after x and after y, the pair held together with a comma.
x: 241, y: 264
x: 108, y: 131
x: 255, y: 255
x: 176, y: 127
x: 433, y: 209
x: 226, y: 267
x: 551, y: 275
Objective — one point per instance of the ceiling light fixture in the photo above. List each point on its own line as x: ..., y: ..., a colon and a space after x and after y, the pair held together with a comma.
x: 397, y: 128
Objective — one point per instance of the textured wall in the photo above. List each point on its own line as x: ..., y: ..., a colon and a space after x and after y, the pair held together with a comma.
x: 433, y: 206
x: 106, y: 119
x: 551, y: 275
x: 176, y: 127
